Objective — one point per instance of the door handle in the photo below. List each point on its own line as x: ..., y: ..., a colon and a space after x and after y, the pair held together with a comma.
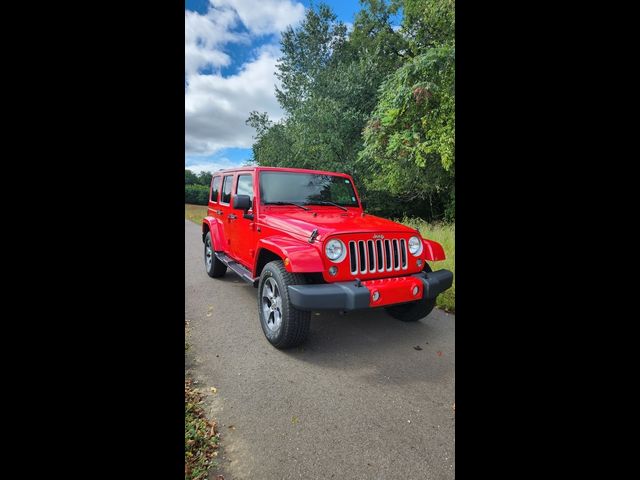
x: 232, y: 216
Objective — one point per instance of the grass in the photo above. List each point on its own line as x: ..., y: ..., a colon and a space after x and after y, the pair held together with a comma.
x: 195, y: 213
x: 443, y: 233
x: 200, y: 436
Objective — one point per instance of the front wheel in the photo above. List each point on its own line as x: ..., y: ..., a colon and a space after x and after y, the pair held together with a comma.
x: 282, y: 324
x: 414, y: 311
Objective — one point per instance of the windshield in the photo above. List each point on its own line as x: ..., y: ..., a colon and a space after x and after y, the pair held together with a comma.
x: 306, y: 189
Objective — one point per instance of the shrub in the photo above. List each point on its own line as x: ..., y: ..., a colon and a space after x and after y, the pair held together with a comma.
x: 196, y: 194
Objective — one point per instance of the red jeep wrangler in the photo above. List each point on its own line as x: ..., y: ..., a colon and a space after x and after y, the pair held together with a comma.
x: 303, y: 238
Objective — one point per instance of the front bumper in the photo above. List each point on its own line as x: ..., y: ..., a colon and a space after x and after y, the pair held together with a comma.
x: 390, y: 291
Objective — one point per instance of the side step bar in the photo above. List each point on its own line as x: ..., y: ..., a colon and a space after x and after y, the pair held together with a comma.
x: 237, y: 268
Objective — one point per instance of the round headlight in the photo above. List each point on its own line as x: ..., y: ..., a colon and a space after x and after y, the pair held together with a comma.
x: 335, y: 250
x: 415, y: 246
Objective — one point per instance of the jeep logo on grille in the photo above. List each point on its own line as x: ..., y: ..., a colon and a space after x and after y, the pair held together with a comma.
x: 378, y: 236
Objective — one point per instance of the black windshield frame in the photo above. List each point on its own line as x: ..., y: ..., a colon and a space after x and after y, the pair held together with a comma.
x: 305, y: 188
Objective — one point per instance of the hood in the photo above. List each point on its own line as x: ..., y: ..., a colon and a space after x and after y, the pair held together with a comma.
x: 328, y: 221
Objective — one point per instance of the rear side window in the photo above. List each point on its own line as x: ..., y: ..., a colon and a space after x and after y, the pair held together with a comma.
x: 226, y: 189
x: 215, y: 189
x: 245, y: 186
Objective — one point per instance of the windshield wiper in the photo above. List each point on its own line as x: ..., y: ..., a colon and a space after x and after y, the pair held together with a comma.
x: 287, y: 203
x: 322, y: 202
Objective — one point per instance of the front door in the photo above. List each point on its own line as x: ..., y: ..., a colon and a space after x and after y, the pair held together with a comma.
x: 243, y: 229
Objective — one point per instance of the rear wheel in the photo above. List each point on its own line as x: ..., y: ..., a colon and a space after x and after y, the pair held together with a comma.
x: 282, y: 324
x: 215, y: 268
x: 414, y: 311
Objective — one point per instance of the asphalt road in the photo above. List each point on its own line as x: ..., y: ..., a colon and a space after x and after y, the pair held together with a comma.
x: 356, y: 401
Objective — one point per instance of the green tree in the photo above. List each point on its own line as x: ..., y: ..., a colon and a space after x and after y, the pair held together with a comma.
x: 329, y: 88
x: 306, y: 52
x: 428, y: 23
x: 409, y: 140
x: 189, y: 177
x: 204, y: 178
x: 377, y: 103
x: 273, y: 145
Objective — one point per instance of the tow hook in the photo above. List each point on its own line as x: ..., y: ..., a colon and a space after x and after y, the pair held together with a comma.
x: 358, y: 283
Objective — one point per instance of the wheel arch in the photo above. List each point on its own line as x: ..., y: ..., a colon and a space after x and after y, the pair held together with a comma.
x: 433, y: 251
x: 211, y: 224
x: 298, y: 257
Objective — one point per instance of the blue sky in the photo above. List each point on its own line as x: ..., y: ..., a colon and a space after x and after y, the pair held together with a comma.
x: 231, y: 48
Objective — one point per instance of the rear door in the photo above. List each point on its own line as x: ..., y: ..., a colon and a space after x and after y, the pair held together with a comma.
x: 243, y: 233
x: 224, y: 205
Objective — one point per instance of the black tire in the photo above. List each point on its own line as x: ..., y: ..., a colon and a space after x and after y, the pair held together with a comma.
x: 215, y: 268
x: 293, y: 326
x: 414, y: 311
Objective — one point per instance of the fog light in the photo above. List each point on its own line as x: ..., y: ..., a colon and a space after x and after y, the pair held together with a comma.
x: 376, y: 296
x: 333, y: 270
x: 415, y: 290
x: 419, y: 262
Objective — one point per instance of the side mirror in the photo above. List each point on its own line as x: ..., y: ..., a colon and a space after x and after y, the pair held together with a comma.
x: 363, y: 204
x: 242, y: 202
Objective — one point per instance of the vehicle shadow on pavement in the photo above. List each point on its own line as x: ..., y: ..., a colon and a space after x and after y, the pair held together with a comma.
x: 367, y: 341
x: 371, y: 344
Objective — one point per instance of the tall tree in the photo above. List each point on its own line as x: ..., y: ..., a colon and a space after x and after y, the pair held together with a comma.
x: 307, y: 51
x: 377, y: 102
x: 329, y: 88
x: 189, y: 177
x: 409, y: 140
x: 428, y: 23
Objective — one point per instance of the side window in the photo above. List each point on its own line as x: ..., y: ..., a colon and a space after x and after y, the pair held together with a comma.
x: 226, y: 189
x: 245, y: 186
x: 215, y: 189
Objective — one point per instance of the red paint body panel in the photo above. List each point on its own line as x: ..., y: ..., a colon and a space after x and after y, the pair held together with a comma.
x: 217, y: 232
x: 303, y: 258
x: 285, y: 231
x: 433, y: 251
x: 394, y: 290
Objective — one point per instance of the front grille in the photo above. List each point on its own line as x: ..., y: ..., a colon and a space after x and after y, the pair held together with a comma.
x: 371, y: 256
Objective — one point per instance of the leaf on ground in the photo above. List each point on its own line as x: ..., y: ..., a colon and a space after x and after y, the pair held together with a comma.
x: 214, y: 390
x: 209, y: 311
x: 201, y: 440
x: 231, y: 427
x: 294, y: 420
x: 439, y: 353
x: 417, y: 347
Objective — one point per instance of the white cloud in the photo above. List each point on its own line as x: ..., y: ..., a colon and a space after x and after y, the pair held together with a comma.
x: 216, y: 107
x: 265, y: 16
x: 205, y: 34
x: 210, y: 165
